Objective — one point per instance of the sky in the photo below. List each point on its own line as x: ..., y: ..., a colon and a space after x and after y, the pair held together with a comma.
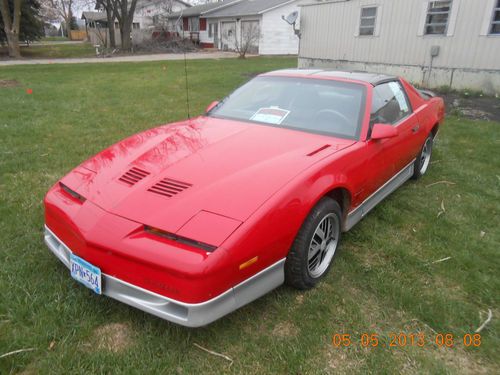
x: 79, y: 8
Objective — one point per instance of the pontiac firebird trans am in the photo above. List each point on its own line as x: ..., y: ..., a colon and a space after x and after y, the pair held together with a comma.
x: 193, y: 220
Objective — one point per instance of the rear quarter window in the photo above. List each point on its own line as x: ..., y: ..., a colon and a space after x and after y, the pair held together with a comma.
x: 389, y: 104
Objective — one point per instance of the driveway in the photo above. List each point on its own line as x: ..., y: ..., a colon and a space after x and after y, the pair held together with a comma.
x: 133, y: 58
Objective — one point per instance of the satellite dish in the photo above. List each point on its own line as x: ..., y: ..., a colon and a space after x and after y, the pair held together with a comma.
x: 291, y: 18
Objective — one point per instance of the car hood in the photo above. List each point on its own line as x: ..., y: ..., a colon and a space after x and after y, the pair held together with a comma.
x: 165, y: 176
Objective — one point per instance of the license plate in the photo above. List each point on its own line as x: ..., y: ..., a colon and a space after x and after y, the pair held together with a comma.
x: 85, y: 273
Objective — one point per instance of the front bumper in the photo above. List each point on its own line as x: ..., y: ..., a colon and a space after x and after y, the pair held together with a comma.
x: 186, y: 314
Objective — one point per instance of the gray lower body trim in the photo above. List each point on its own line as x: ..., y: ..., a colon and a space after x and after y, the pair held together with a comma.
x: 369, y: 203
x: 186, y: 314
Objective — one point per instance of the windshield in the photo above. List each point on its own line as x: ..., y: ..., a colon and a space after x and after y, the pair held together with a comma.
x: 312, y: 105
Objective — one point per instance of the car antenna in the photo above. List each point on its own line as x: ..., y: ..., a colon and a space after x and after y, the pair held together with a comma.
x: 186, y: 75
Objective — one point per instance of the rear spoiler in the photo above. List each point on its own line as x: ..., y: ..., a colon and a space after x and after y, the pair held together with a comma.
x: 426, y: 94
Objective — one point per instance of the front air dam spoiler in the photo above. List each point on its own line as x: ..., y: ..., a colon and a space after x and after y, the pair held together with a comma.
x: 186, y: 314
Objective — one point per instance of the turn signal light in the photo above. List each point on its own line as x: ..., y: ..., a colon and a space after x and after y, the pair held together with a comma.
x: 248, y: 263
x: 72, y: 193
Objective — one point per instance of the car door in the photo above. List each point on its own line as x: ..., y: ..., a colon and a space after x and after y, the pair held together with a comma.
x: 390, y: 105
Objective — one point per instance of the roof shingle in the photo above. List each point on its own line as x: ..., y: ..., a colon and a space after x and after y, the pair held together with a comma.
x: 246, y: 8
x: 198, y: 10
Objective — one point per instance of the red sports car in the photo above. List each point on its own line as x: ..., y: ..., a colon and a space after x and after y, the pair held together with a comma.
x: 193, y: 220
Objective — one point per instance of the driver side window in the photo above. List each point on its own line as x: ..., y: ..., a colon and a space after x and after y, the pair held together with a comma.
x: 389, y: 104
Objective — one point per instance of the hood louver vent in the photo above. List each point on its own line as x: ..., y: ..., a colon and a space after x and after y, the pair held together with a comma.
x: 133, y: 176
x: 169, y: 188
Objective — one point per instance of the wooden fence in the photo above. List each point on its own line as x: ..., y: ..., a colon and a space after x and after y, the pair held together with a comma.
x: 78, y: 35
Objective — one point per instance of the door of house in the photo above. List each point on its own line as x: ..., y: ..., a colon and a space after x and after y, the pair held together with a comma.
x: 228, y: 35
x: 214, y: 29
x: 250, y: 35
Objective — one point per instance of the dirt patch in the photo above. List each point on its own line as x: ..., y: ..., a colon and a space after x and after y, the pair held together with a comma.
x: 342, y: 361
x: 453, y: 358
x: 27, y: 372
x: 285, y: 330
x: 9, y: 83
x: 299, y: 299
x: 459, y: 359
x: 485, y: 108
x: 114, y: 337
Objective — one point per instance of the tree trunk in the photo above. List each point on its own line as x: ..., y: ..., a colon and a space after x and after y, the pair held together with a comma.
x: 67, y: 20
x: 112, y: 36
x: 13, y: 44
x: 111, y: 24
x: 125, y: 31
x: 11, y: 26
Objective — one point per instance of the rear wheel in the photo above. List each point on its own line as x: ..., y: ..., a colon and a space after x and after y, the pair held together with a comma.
x: 423, y: 159
x: 315, y: 246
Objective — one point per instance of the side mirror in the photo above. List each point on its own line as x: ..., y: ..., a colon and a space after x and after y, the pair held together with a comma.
x: 383, y: 131
x: 211, y: 106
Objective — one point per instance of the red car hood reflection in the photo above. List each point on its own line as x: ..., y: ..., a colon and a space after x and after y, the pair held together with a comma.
x: 221, y: 166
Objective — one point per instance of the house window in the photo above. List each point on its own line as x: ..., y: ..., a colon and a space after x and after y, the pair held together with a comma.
x: 495, y: 23
x: 210, y: 30
x: 194, y: 24
x: 117, y: 25
x: 438, y: 15
x: 367, y: 22
x: 136, y: 25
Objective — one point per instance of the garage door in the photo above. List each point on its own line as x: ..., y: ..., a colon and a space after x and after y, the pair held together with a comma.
x: 228, y: 35
x: 250, y: 34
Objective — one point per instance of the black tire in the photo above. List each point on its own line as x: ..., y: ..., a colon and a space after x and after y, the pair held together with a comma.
x: 298, y: 273
x: 422, y: 162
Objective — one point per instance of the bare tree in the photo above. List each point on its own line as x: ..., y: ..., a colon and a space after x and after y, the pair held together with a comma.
x: 48, y: 12
x: 123, y: 11
x: 167, y: 6
x: 12, y: 21
x: 125, y: 15
x: 65, y: 10
x: 110, y: 17
x: 250, y: 34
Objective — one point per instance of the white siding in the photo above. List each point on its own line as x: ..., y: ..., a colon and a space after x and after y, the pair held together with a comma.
x: 236, y: 21
x: 146, y: 10
x: 277, y: 36
x: 329, y: 33
x: 204, y: 38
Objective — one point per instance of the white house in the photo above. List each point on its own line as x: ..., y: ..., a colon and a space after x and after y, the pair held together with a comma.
x: 190, y: 23
x: 275, y: 37
x: 149, y: 13
x: 453, y: 43
x: 221, y: 25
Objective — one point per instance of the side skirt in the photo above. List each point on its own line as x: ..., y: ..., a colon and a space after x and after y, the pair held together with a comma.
x: 396, y: 181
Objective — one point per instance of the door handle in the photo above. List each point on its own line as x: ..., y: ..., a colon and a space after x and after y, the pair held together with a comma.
x: 415, y: 128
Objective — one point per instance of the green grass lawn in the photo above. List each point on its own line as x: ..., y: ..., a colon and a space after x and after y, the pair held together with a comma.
x: 384, y: 280
x: 54, y: 51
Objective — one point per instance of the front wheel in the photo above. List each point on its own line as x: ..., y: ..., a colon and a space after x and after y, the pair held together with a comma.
x: 423, y: 159
x: 315, y: 246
